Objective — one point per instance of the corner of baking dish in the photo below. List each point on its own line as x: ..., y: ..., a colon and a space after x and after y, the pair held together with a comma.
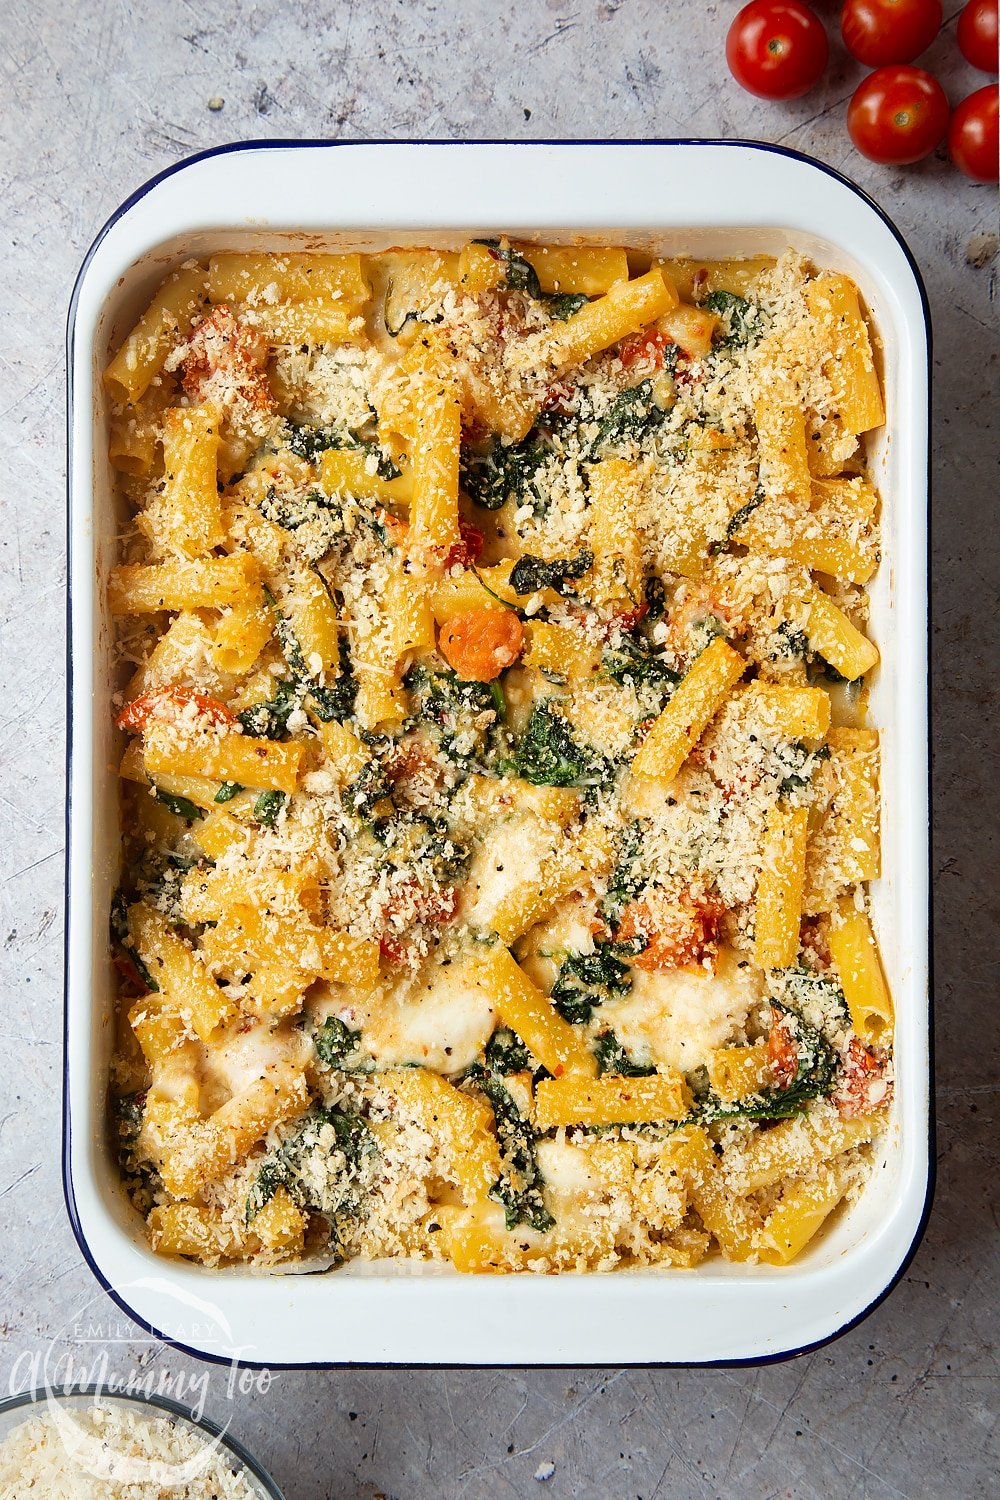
x: 702, y: 197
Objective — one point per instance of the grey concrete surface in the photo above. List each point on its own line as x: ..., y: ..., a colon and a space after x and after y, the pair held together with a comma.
x: 95, y: 98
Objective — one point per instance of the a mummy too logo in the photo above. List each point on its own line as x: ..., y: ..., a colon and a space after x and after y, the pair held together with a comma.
x: 98, y: 1364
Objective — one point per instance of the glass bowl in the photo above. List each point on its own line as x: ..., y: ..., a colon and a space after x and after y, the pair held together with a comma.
x: 21, y: 1408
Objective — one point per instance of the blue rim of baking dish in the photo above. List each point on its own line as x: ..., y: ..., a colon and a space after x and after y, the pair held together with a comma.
x: 41, y: 1395
x: 751, y: 1361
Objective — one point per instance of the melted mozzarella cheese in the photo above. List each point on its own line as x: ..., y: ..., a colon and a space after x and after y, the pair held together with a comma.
x: 569, y: 1174
x: 233, y: 1067
x: 677, y: 1018
x: 510, y: 854
x: 440, y: 1020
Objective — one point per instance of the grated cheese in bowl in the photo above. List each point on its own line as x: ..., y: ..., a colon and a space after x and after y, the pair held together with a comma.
x: 85, y: 1447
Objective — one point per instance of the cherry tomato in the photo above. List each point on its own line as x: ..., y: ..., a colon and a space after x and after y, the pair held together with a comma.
x: 426, y: 908
x: 863, y: 1085
x: 675, y: 933
x: 974, y: 135
x: 782, y: 1053
x: 467, y: 550
x: 479, y: 644
x: 776, y: 49
x: 977, y: 35
x: 877, y: 32
x: 898, y: 115
x: 169, y: 703
x: 643, y: 348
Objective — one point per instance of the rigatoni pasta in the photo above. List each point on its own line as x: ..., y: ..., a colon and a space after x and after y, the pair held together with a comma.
x: 497, y: 844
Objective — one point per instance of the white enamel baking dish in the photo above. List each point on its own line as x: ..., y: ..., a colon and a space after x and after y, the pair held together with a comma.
x: 702, y: 198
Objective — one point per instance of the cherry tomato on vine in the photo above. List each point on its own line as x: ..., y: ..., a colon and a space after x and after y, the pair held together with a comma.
x: 977, y: 35
x: 898, y: 115
x: 777, y: 49
x: 974, y: 135
x: 877, y: 32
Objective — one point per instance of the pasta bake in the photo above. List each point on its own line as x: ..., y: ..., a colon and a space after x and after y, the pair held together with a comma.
x: 499, y: 803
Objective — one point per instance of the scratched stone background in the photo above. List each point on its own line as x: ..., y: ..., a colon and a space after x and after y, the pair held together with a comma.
x: 97, y: 97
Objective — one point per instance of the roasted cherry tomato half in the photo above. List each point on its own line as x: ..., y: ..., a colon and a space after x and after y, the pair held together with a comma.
x: 877, y: 32
x: 974, y: 135
x: 977, y: 35
x: 777, y: 49
x: 898, y: 115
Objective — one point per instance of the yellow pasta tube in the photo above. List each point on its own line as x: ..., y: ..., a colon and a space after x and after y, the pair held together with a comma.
x: 185, y: 986
x: 695, y: 702
x: 461, y: 1123
x: 280, y: 1226
x: 380, y: 698
x: 135, y: 432
x: 857, y: 396
x: 615, y: 487
x: 199, y: 790
x: 185, y: 640
x: 207, y: 894
x: 220, y: 831
x: 349, y: 960
x: 348, y: 469
x: 498, y: 405
x: 736, y: 1072
x: 586, y: 270
x: 158, y: 1030
x: 835, y: 556
x: 691, y: 328
x: 408, y: 617
x: 437, y: 421
x: 287, y: 278
x: 167, y: 319
x: 307, y: 323
x: 625, y: 308
x: 780, y: 887
x: 344, y: 751
x: 833, y: 536
x: 480, y: 589
x: 794, y: 1146
x: 193, y: 1153
x: 610, y: 1100
x: 734, y: 1222
x: 478, y: 1241
x: 264, y: 764
x: 558, y: 649
x: 313, y: 618
x: 839, y: 642
x: 191, y: 520
x: 694, y: 278
x: 845, y: 849
x: 803, y: 1209
x: 204, y: 583
x: 523, y: 1007
x: 243, y: 631
x: 782, y: 447
x: 794, y: 713
x: 204, y: 1234
x: 855, y: 954
x: 479, y: 270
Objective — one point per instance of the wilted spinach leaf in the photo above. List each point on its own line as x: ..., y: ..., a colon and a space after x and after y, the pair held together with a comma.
x: 588, y: 979
x: 612, y: 1058
x: 505, y: 471
x: 742, y: 320
x: 530, y: 573
x: 547, y: 755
